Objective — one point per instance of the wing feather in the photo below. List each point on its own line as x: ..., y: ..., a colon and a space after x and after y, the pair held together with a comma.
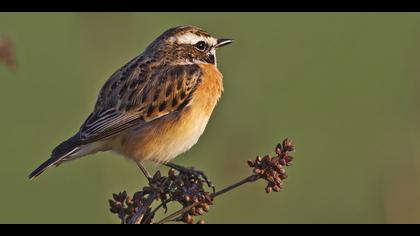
x: 133, y: 97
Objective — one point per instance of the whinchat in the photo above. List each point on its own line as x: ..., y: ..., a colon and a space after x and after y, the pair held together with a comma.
x: 156, y: 106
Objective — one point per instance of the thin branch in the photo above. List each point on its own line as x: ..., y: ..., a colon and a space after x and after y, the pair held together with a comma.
x: 174, y: 215
x: 248, y: 179
x: 188, y: 188
x: 152, y: 213
x: 136, y: 219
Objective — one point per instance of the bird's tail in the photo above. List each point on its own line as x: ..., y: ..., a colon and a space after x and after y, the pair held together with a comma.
x: 61, y: 153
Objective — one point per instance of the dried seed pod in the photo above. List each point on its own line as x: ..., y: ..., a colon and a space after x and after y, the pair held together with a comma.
x: 187, y: 198
x: 157, y: 175
x: 278, y: 149
x: 115, y: 207
x: 200, y: 211
x: 266, y: 158
x: 282, y: 162
x: 128, y: 200
x: 271, y: 168
x: 193, y: 211
x: 206, y: 207
x: 187, y: 188
x: 283, y: 176
x: 120, y: 197
x: 276, y: 188
x: 278, y: 167
x: 191, y: 221
x: 171, y: 172
x: 288, y: 145
x: 187, y: 218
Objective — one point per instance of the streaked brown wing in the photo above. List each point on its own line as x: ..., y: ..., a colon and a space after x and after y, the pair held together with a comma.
x: 133, y: 97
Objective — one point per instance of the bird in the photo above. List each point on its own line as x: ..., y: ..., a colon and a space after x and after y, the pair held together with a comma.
x: 156, y: 106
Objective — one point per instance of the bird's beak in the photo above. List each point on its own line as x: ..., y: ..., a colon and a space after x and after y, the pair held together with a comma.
x: 223, y: 42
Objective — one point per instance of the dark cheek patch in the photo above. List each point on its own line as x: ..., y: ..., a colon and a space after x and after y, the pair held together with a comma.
x: 208, y: 58
x: 211, y: 59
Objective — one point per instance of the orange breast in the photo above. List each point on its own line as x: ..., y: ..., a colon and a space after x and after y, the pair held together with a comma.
x: 210, y: 89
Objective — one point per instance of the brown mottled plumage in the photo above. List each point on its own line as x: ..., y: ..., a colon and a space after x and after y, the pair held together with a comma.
x: 156, y: 106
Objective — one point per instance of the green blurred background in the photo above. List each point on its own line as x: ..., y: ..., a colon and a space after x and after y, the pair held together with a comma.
x: 343, y: 86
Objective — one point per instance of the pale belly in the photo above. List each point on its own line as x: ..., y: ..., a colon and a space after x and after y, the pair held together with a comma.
x: 164, y: 139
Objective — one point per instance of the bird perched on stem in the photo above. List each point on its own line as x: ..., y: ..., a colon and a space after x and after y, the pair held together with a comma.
x: 156, y: 106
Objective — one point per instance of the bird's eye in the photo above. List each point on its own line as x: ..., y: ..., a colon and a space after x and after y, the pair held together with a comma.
x: 201, y: 46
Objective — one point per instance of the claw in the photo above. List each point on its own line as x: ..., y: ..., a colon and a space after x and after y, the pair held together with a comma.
x: 194, y: 172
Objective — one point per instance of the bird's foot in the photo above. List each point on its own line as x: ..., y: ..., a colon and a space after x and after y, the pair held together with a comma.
x: 194, y: 172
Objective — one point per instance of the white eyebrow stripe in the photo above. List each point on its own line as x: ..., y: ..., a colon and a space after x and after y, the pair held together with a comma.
x: 190, y: 38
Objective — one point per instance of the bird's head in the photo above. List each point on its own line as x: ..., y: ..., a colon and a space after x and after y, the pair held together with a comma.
x: 187, y: 45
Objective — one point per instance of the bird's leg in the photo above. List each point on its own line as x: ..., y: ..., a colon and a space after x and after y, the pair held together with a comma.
x: 191, y: 171
x: 143, y: 169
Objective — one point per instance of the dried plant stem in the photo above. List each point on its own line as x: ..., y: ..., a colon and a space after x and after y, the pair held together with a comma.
x: 173, y: 216
x: 149, y: 217
x: 187, y: 187
x: 140, y: 213
x: 248, y: 179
